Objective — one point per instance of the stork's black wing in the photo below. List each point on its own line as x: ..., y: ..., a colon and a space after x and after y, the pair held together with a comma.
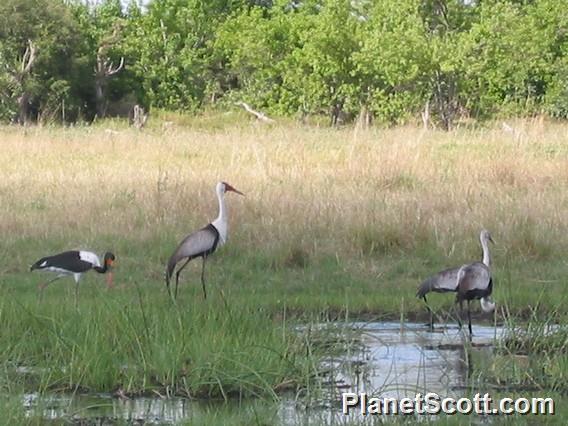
x: 69, y: 261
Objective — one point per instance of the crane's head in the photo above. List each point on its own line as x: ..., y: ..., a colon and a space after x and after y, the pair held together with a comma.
x: 223, y: 187
x: 108, y: 260
x: 485, y: 236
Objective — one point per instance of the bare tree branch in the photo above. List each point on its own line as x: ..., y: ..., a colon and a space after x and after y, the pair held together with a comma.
x: 105, y: 67
x: 28, y: 58
x: 110, y: 71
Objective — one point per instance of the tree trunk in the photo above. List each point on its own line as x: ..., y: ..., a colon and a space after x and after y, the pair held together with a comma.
x: 19, y: 77
x: 446, y: 99
x: 23, y: 108
x: 100, y: 97
x: 139, y: 117
x: 335, y: 112
x: 365, y: 118
x: 104, y: 69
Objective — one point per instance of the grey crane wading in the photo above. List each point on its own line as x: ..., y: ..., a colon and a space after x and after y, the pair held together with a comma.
x: 470, y: 281
x: 201, y: 243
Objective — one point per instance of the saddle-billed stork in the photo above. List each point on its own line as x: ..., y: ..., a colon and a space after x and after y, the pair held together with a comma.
x: 451, y: 279
x: 75, y: 263
x: 203, y: 242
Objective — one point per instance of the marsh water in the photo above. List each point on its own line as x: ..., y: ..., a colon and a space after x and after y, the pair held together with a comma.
x: 383, y: 359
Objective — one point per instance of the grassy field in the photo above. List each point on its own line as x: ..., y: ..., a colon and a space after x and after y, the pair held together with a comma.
x: 335, y: 224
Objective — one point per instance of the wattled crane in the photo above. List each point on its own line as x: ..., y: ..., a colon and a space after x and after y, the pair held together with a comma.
x: 470, y: 281
x: 203, y: 242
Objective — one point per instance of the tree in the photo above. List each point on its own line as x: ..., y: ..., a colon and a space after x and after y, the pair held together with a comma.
x: 319, y: 72
x: 172, y: 48
x: 37, y: 42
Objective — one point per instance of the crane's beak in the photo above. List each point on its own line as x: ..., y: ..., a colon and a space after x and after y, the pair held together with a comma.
x: 230, y: 188
x: 491, y: 239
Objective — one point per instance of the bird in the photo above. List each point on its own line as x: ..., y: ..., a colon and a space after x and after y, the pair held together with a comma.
x: 449, y: 280
x: 76, y: 263
x: 475, y: 282
x: 203, y: 242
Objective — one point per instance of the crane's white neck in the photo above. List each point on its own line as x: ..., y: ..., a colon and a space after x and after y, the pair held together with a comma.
x: 485, y: 247
x: 487, y: 305
x: 221, y: 223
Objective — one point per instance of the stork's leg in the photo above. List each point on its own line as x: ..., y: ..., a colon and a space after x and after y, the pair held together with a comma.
x: 177, y: 276
x: 431, y: 314
x: 203, y: 278
x: 77, y: 278
x: 43, y: 286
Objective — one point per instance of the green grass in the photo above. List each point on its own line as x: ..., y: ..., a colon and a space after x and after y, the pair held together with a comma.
x: 132, y: 336
x: 140, y: 342
x: 334, y: 225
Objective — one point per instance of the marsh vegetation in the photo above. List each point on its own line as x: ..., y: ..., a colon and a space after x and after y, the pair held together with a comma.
x: 336, y: 225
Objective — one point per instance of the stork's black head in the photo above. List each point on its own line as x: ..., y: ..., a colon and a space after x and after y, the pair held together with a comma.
x: 109, y: 259
x: 108, y: 264
x: 38, y: 264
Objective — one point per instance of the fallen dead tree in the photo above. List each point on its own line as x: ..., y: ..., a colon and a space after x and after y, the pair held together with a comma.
x: 257, y: 114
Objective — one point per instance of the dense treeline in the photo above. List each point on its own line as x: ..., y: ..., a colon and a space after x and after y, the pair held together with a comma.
x: 388, y: 60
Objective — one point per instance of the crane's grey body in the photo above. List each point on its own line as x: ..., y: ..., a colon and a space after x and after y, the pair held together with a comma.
x: 203, y: 242
x: 198, y: 244
x: 475, y: 282
x: 470, y: 281
x: 442, y: 282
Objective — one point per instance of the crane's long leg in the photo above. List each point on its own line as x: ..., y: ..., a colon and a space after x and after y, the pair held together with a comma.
x: 203, y: 277
x: 168, y: 278
x: 431, y: 314
x: 469, y: 321
x: 168, y: 285
x: 43, y: 286
x: 177, y: 276
x: 458, y: 314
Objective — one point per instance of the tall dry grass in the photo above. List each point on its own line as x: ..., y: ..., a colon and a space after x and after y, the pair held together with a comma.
x: 310, y: 189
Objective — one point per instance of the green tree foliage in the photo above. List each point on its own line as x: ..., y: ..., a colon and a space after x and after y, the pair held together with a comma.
x: 172, y: 50
x: 50, y: 28
x: 249, y: 66
x: 338, y: 58
x: 394, y: 61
